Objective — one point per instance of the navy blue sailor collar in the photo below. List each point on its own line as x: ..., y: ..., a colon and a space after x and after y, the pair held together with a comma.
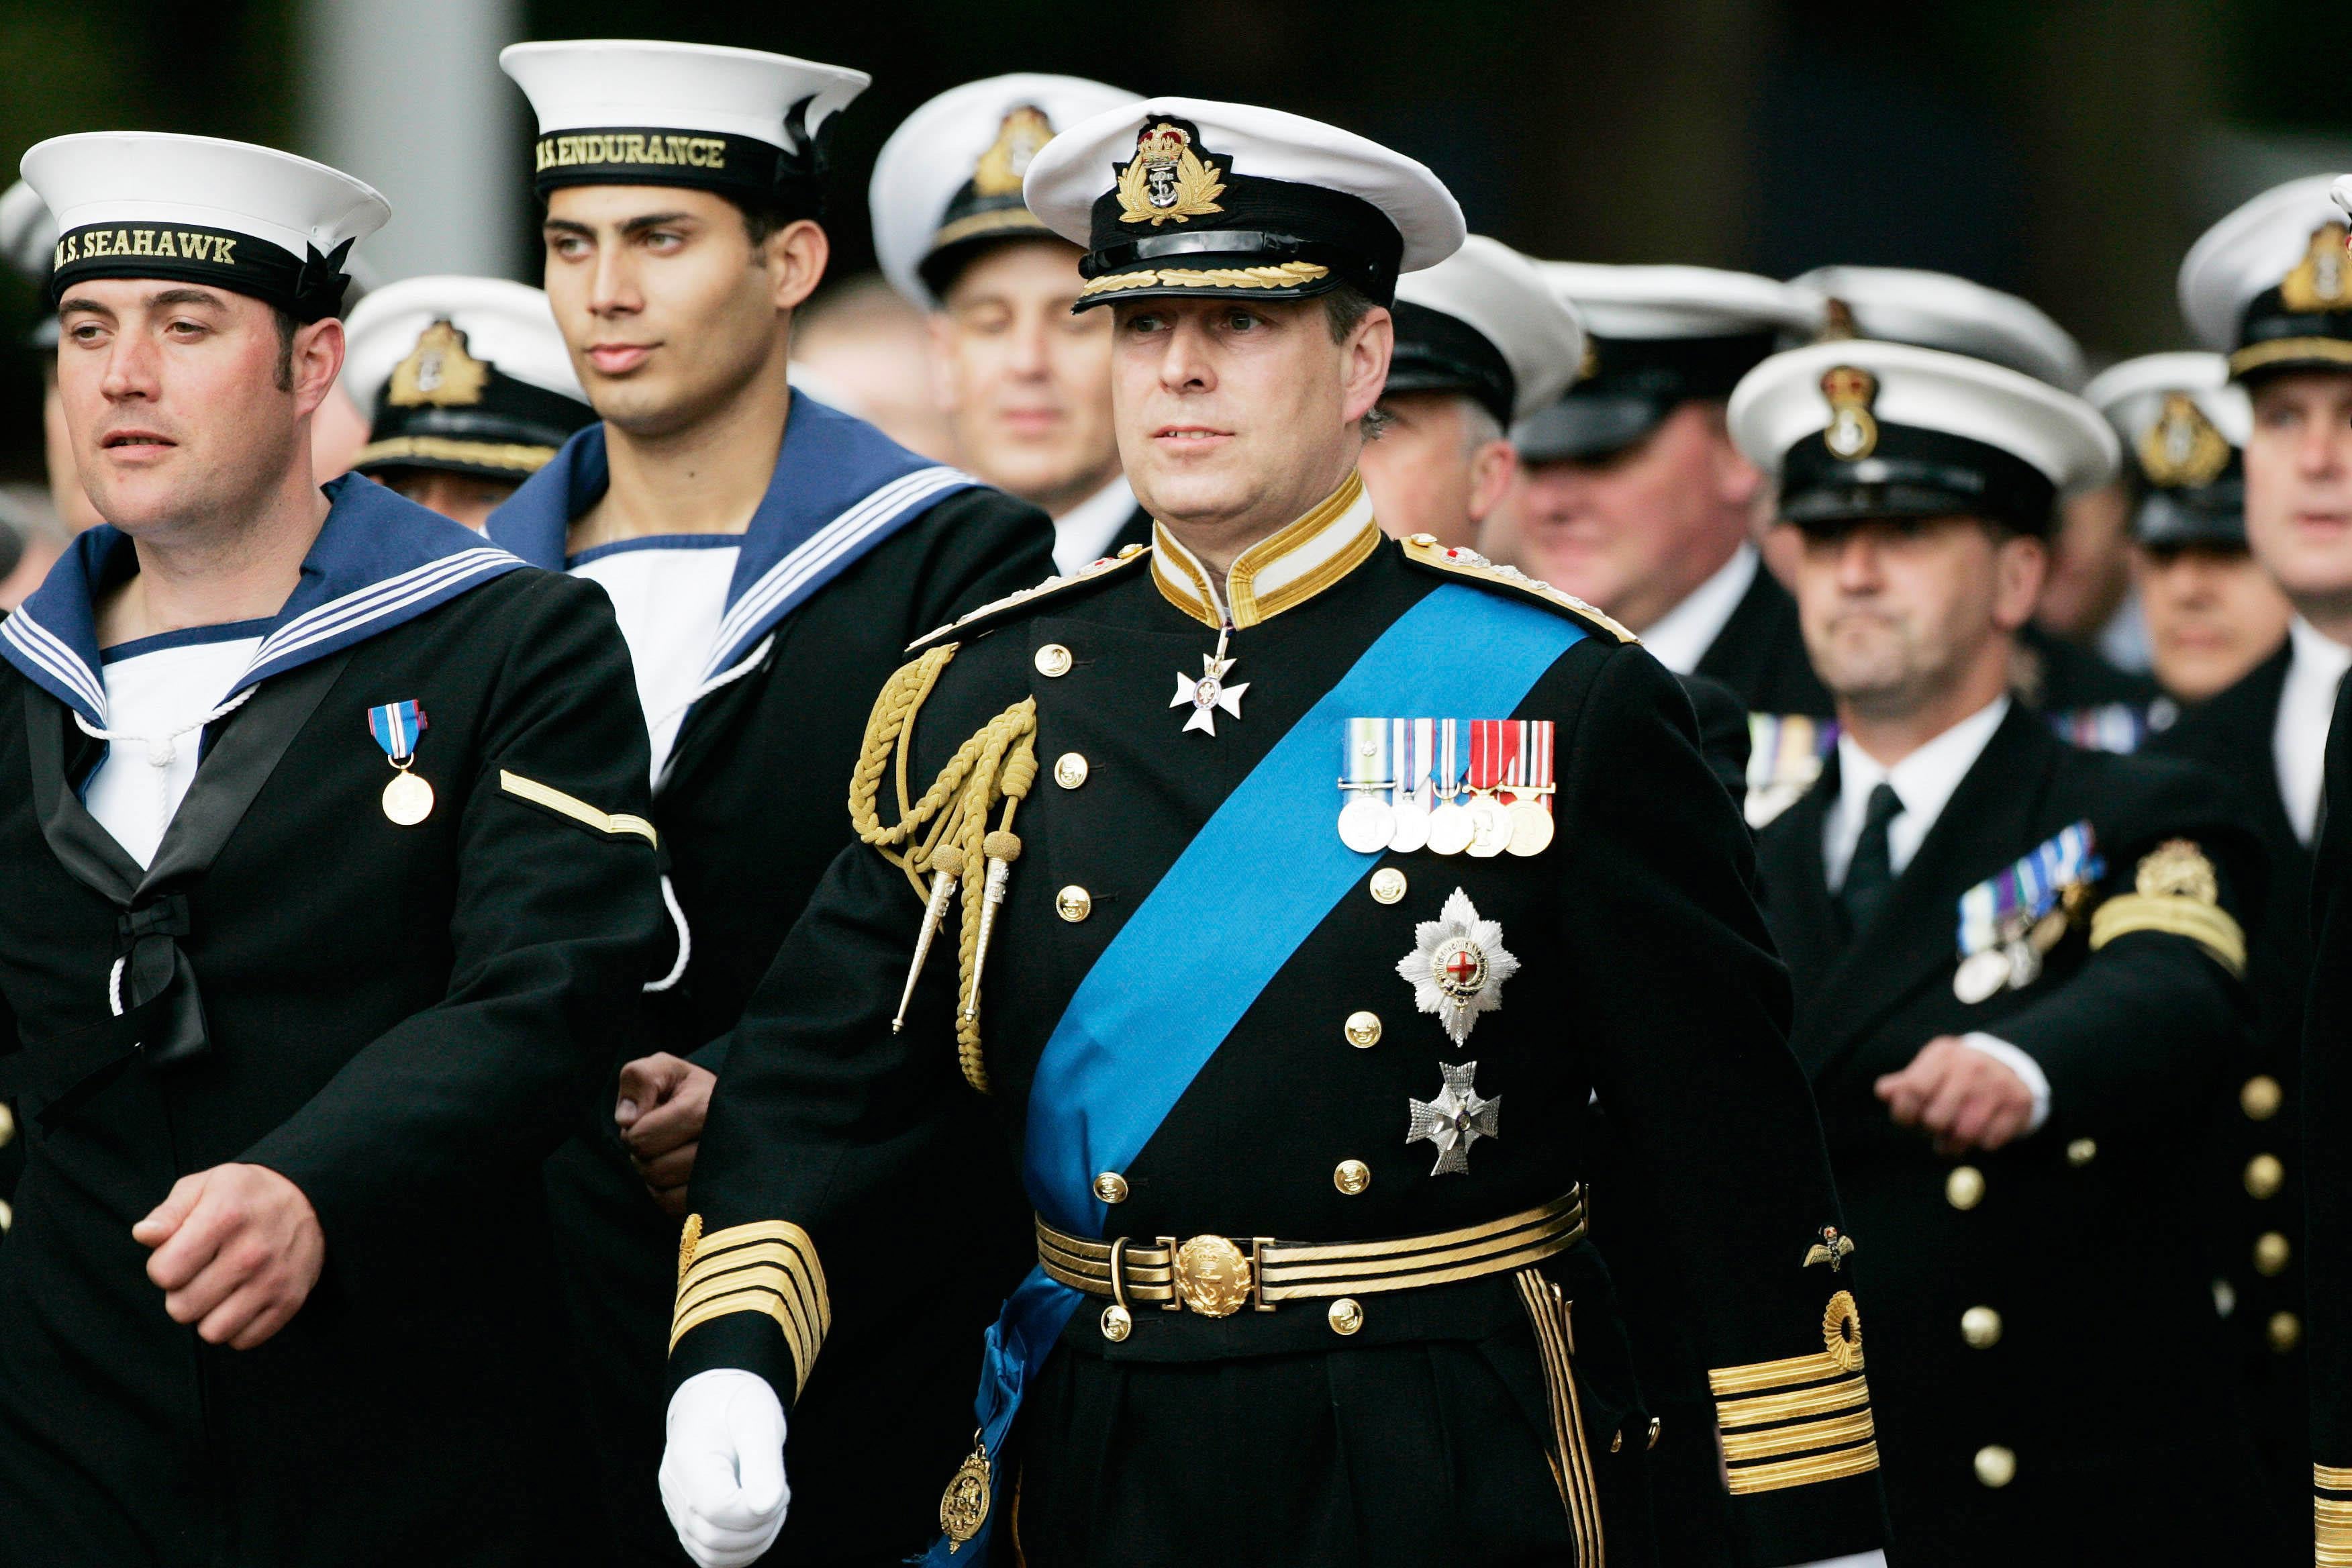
x: 841, y: 487
x: 380, y: 560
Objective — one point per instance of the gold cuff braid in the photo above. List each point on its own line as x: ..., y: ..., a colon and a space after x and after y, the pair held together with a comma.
x: 2207, y: 925
x: 1802, y: 1418
x: 769, y: 1266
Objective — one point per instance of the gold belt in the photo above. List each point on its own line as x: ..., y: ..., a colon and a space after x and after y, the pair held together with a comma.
x: 1217, y: 1276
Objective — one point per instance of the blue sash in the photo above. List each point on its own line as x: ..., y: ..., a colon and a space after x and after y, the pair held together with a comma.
x: 1155, y: 1006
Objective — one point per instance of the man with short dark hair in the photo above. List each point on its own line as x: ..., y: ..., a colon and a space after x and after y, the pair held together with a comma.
x: 768, y: 558
x: 330, y: 886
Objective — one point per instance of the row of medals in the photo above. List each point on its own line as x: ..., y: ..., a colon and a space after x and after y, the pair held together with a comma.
x: 1482, y: 826
x: 2012, y: 965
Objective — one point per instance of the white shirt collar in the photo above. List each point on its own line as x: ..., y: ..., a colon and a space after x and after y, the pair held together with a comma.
x: 2306, y: 706
x: 1082, y: 535
x: 1680, y: 638
x: 1923, y: 782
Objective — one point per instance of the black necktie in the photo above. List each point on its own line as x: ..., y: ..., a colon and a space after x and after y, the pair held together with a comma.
x: 1870, y: 875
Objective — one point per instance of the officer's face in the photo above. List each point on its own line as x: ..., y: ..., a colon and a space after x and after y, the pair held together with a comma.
x: 670, y: 310
x: 2212, y: 615
x: 1901, y: 613
x: 2299, y: 486
x: 1024, y: 383
x: 1234, y: 418
x: 182, y: 406
x: 1636, y: 532
x: 1439, y: 468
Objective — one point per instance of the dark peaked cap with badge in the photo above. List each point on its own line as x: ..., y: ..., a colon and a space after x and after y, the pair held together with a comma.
x: 194, y: 209
x: 2270, y: 285
x: 1858, y: 430
x: 1484, y: 322
x: 948, y: 182
x: 1658, y: 337
x: 466, y: 375
x: 1213, y: 200
x: 2183, y: 425
x: 749, y: 125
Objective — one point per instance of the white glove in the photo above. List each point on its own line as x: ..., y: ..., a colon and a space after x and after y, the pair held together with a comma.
x: 722, y: 1474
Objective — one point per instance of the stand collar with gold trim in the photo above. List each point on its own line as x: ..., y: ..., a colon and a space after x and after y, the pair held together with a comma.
x: 1285, y: 569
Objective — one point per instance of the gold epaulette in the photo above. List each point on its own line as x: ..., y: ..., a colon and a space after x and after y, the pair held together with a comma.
x: 995, y: 609
x: 770, y: 1268
x: 2175, y: 893
x: 1803, y: 1418
x: 1422, y: 549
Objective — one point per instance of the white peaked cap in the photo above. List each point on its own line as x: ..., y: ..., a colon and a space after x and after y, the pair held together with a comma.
x: 1505, y: 299
x: 2132, y: 394
x: 508, y: 324
x: 1941, y: 310
x: 1675, y: 301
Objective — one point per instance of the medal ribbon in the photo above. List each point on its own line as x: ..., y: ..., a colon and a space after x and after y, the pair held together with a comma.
x: 1449, y: 756
x: 1999, y: 908
x: 1411, y: 739
x: 1159, y: 1003
x: 1534, y: 758
x: 1368, y: 756
x: 397, y: 727
x: 1485, y: 754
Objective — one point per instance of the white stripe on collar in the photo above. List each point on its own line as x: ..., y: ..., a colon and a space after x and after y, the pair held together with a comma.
x: 44, y: 648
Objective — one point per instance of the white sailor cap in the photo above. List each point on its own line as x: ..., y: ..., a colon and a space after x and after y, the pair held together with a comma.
x: 2184, y: 423
x: 1940, y: 311
x: 145, y: 204
x: 633, y: 112
x: 1484, y: 322
x: 1186, y: 196
x: 948, y: 179
x: 465, y: 374
x: 1857, y: 430
x: 1657, y: 337
x: 2270, y: 285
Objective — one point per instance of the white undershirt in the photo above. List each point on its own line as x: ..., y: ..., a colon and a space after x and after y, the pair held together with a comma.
x: 1082, y: 535
x: 2306, y: 706
x: 1924, y: 782
x: 669, y: 593
x: 150, y: 696
x: 1680, y: 638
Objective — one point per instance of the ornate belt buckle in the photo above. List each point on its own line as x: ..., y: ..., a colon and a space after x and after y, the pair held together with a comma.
x: 1213, y: 1276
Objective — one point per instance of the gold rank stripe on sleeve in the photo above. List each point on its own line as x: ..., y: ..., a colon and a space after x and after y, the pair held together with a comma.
x: 2331, y: 1508
x: 1802, y: 1418
x: 2210, y: 926
x: 769, y: 1266
x: 578, y: 810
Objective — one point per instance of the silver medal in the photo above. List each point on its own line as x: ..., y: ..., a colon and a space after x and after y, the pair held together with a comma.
x: 407, y: 799
x: 1980, y: 974
x: 1366, y: 824
x: 2024, y: 965
x: 1450, y: 829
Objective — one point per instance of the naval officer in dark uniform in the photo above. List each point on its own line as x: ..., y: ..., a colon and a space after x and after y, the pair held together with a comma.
x: 330, y: 887
x: 1025, y: 382
x: 1249, y: 971
x: 2017, y: 971
x: 768, y: 557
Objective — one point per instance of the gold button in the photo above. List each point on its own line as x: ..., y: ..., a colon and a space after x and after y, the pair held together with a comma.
x: 1346, y: 1316
x: 1981, y: 1326
x: 7, y: 1125
x: 1388, y: 884
x: 1423, y: 540
x: 1352, y: 1176
x: 1363, y: 1030
x: 1996, y: 1465
x: 1069, y: 770
x: 8, y: 1214
x: 2261, y: 1097
x: 2265, y: 1175
x: 2284, y: 1329
x: 1116, y: 1323
x: 1129, y: 552
x: 1617, y: 1441
x: 1111, y: 1187
x: 1052, y: 659
x: 1073, y: 903
x: 2270, y: 1253
x: 1964, y: 1188
x: 2082, y: 1152
x: 1657, y: 1425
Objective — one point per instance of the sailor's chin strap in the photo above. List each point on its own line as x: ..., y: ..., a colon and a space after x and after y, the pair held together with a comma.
x: 945, y: 836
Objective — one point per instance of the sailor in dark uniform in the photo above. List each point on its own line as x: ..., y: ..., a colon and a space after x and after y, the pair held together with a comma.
x: 768, y: 557
x: 470, y: 389
x: 2006, y: 1111
x: 1026, y: 383
x: 1300, y: 1292
x: 2270, y: 286
x: 329, y: 885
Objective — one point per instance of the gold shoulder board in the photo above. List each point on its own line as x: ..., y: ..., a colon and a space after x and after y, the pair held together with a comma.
x: 995, y: 609
x: 1422, y: 549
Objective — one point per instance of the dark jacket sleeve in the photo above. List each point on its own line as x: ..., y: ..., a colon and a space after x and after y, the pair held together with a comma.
x: 1723, y: 734
x: 551, y: 932
x: 1687, y: 1013
x: 980, y: 545
x: 2328, y: 1144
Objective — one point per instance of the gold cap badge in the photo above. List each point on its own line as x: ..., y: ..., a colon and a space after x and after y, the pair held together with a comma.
x: 2182, y: 448
x: 439, y: 371
x: 1000, y: 170
x: 2322, y: 281
x: 1167, y: 181
x: 1853, y: 433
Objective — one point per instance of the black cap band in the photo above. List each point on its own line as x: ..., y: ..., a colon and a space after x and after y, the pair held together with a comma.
x: 1913, y: 472
x: 1630, y: 386
x: 1438, y: 353
x: 309, y: 289
x: 2270, y: 337
x: 741, y: 168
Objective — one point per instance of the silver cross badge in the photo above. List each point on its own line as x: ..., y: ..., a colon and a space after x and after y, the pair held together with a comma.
x: 1209, y: 694
x: 1456, y: 1119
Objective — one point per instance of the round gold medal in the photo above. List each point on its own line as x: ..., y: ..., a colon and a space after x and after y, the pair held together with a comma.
x: 1490, y: 828
x: 1531, y: 828
x: 407, y: 799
